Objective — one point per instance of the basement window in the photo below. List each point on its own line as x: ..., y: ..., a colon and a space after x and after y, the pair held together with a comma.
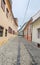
x: 3, y: 4
x: 6, y: 32
x: 38, y: 32
x: 1, y: 31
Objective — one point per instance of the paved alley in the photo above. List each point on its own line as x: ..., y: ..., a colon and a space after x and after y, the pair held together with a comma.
x: 14, y: 53
x: 18, y: 51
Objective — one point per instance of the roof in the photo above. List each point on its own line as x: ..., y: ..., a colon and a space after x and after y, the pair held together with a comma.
x: 33, y: 18
x: 24, y: 26
x: 36, y: 16
x: 10, y: 2
x: 28, y: 22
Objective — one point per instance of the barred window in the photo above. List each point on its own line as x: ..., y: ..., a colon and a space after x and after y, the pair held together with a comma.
x: 3, y: 4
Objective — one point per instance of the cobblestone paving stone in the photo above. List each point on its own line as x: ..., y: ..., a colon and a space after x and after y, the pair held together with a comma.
x: 14, y: 53
x: 25, y: 57
x: 8, y: 53
x: 33, y: 50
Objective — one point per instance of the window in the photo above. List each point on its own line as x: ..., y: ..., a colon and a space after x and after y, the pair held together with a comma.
x: 1, y: 31
x: 39, y: 33
x: 7, y: 12
x: 6, y: 32
x: 3, y: 4
x: 9, y: 30
x: 13, y: 32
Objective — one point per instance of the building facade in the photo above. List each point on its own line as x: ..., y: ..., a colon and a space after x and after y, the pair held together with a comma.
x: 27, y: 31
x: 7, y: 23
x: 20, y: 31
x: 36, y: 28
x: 16, y: 25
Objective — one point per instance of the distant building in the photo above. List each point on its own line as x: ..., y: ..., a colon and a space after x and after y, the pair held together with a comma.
x: 26, y: 30
x: 36, y: 28
x: 7, y: 23
x: 16, y: 25
x: 20, y: 31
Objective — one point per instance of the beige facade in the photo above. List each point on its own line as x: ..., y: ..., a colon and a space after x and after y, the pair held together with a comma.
x: 7, y: 23
x: 36, y: 31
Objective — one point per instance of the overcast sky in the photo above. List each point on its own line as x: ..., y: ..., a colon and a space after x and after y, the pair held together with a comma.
x: 19, y: 7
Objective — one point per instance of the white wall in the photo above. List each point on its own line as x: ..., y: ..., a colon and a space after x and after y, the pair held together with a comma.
x: 36, y: 25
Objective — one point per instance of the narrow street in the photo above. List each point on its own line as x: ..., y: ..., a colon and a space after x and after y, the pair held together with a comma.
x: 19, y: 32
x: 19, y: 52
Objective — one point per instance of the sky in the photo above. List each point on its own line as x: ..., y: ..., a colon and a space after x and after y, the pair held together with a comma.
x: 19, y: 8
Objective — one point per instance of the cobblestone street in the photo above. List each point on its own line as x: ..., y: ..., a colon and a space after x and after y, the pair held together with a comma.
x: 17, y: 52
x: 19, y: 32
x: 14, y: 53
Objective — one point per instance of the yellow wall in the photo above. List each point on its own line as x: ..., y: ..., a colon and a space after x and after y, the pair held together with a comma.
x: 6, y: 22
